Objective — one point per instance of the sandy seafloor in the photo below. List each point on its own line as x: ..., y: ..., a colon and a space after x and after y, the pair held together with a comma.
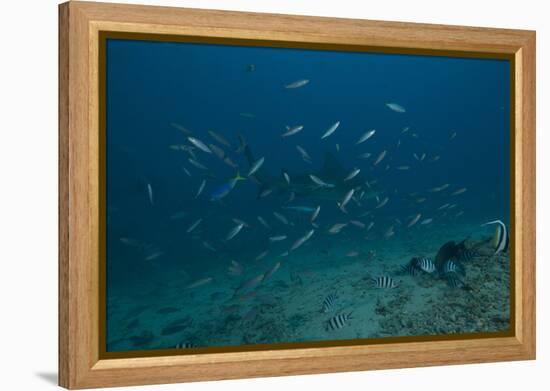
x: 287, y: 307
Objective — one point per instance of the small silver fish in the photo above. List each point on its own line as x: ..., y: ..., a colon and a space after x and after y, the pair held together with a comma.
x: 277, y: 238
x: 263, y: 222
x: 357, y: 223
x: 371, y: 224
x: 346, y: 198
x: 287, y: 178
x: 256, y: 166
x: 336, y: 228
x: 426, y: 221
x: 197, y: 164
x: 365, y: 155
x: 201, y: 188
x: 414, y: 220
x: 200, y: 282
x: 396, y: 107
x: 303, y: 153
x: 315, y: 214
x: 194, y: 225
x: 319, y: 182
x: 261, y: 255
x: 302, y: 240
x: 381, y: 204
x: 219, y: 138
x: 281, y: 218
x: 199, y: 144
x: 271, y: 271
x: 402, y: 168
x: 368, y: 134
x: 352, y: 174
x: 181, y: 128
x: 150, y: 193
x: 234, y: 232
x: 297, y: 84
x: 331, y: 130
x: 380, y: 157
x: 292, y: 130
x: 154, y: 255
x: 459, y: 191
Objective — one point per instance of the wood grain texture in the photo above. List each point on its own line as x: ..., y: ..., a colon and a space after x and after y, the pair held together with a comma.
x: 80, y: 23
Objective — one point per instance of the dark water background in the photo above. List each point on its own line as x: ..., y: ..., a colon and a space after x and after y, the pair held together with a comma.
x: 204, y: 87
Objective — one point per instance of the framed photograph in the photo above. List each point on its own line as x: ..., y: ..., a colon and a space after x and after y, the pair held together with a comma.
x: 247, y: 195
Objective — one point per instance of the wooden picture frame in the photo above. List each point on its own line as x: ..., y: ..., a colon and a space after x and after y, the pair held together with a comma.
x: 81, y: 364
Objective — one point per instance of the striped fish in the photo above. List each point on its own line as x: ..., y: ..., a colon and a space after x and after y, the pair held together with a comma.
x: 426, y: 264
x: 384, y: 282
x: 328, y: 303
x: 467, y: 255
x: 338, y: 321
x: 501, y: 239
x: 454, y: 281
x: 185, y: 345
x: 451, y: 266
x: 411, y: 268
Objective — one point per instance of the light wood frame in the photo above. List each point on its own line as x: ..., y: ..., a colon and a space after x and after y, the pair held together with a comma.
x: 80, y: 23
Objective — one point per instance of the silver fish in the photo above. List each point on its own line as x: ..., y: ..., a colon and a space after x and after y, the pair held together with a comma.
x: 199, y: 144
x: 197, y: 164
x: 336, y: 228
x: 150, y: 193
x: 414, y: 220
x: 248, y: 284
x: 365, y: 155
x: 287, y: 178
x: 297, y: 84
x: 178, y: 215
x: 302, y: 240
x: 154, y: 255
x: 194, y: 225
x: 368, y: 134
x: 382, y: 203
x: 181, y: 128
x: 315, y: 214
x: 304, y: 154
x: 201, y: 188
x: 357, y: 223
x: 281, y: 218
x: 380, y: 157
x: 217, y: 151
x: 426, y: 221
x: 271, y: 271
x: 396, y: 107
x: 256, y: 166
x: 371, y: 224
x: 185, y: 170
x: 346, y: 198
x: 277, y: 238
x: 234, y: 232
x: 459, y: 191
x: 320, y: 182
x: 261, y: 255
x: 331, y: 130
x: 402, y: 168
x: 263, y: 222
x: 352, y: 174
x: 219, y: 138
x: 200, y: 282
x: 292, y: 130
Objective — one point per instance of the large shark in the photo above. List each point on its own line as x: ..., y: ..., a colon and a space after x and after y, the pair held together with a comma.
x: 302, y: 185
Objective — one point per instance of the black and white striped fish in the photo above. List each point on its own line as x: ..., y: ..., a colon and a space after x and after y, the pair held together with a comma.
x: 411, y: 268
x: 426, y: 264
x: 501, y: 239
x: 384, y: 282
x: 467, y: 255
x: 185, y: 345
x: 451, y: 266
x: 338, y: 321
x: 328, y: 303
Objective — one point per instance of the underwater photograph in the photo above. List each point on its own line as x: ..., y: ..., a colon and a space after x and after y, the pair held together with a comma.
x: 269, y: 195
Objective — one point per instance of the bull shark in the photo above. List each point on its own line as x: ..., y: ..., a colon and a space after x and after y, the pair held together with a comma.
x: 302, y: 185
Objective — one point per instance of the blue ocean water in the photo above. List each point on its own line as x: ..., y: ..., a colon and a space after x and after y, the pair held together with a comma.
x: 184, y: 119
